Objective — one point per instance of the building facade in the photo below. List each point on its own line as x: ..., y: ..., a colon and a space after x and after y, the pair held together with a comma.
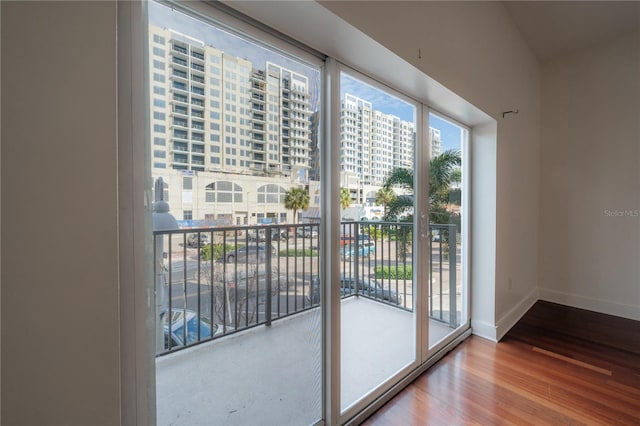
x: 372, y: 144
x: 229, y: 137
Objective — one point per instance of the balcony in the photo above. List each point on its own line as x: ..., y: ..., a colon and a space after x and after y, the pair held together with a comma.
x: 197, y: 55
x: 265, y: 303
x: 179, y: 86
x: 179, y: 61
x: 197, y: 78
x: 179, y: 74
x: 197, y: 67
x: 180, y: 49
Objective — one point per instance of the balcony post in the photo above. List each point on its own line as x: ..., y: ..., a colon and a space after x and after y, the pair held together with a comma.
x: 453, y: 250
x: 356, y: 256
x: 430, y: 245
x: 267, y: 271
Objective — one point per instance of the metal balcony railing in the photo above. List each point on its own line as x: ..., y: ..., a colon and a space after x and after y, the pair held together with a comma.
x: 212, y: 282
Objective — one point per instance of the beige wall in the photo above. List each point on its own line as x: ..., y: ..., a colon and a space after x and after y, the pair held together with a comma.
x: 60, y: 333
x: 590, y: 175
x: 474, y: 50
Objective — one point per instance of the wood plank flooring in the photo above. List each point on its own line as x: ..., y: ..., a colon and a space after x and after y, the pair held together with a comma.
x: 558, y: 365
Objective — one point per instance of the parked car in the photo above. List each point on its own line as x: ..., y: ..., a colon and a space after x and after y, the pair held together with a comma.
x: 307, y: 231
x: 366, y: 287
x: 369, y: 288
x: 346, y: 240
x: 364, y: 237
x: 252, y: 252
x: 350, y: 239
x: 364, y: 249
x: 256, y: 234
x: 277, y: 233
x: 197, y: 240
x: 179, y: 318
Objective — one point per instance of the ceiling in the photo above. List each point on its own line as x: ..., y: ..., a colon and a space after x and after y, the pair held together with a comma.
x: 556, y: 28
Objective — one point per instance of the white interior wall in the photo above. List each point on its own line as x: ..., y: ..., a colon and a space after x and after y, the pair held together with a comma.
x: 60, y: 318
x: 590, y: 182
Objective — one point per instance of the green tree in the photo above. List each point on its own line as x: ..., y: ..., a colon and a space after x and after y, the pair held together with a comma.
x: 345, y: 198
x: 443, y: 172
x: 296, y: 199
x: 384, y: 196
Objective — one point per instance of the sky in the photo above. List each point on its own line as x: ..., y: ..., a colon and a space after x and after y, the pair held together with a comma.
x: 163, y: 16
x: 450, y: 134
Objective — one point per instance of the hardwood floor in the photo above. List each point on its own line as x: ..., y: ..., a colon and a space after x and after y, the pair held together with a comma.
x: 558, y: 365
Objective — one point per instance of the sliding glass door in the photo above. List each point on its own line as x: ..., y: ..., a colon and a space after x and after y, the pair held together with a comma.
x: 285, y: 295
x: 234, y: 119
x: 378, y: 250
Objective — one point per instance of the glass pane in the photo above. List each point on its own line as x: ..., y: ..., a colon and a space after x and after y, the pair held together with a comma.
x: 447, y: 291
x: 238, y: 308
x: 377, y: 145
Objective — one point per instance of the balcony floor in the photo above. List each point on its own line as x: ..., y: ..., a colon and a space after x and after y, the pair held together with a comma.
x: 272, y: 375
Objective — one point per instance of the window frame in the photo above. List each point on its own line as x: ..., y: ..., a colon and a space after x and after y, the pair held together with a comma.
x: 138, y: 395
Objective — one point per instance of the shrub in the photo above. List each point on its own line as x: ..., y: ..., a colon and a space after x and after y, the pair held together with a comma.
x: 218, y: 250
x: 299, y: 252
x: 394, y: 272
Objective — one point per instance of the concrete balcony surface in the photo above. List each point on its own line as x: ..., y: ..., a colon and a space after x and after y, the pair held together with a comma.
x: 273, y: 375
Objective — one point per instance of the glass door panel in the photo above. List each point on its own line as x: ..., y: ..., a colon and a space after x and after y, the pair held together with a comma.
x: 234, y: 152
x: 447, y: 300
x: 378, y: 131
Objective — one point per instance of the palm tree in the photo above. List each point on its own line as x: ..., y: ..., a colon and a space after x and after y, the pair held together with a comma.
x: 296, y: 199
x: 384, y: 196
x: 403, y: 178
x: 443, y: 171
x: 345, y: 198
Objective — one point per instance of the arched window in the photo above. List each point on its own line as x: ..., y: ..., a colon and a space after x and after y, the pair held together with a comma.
x: 223, y: 192
x: 271, y: 194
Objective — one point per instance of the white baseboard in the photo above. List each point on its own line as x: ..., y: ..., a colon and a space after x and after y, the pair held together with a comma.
x: 596, y: 305
x: 483, y: 329
x: 510, y: 319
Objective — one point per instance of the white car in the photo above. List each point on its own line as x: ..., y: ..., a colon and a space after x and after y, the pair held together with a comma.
x: 194, y: 241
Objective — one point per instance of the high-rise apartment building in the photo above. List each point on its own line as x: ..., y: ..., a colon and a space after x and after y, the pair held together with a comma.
x: 372, y: 144
x: 216, y: 112
x: 436, y: 142
x: 226, y: 126
x: 404, y: 140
